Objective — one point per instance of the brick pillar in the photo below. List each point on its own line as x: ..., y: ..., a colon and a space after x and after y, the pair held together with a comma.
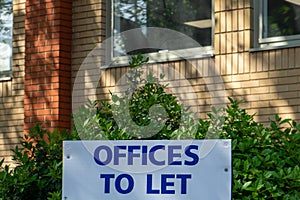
x: 48, y: 33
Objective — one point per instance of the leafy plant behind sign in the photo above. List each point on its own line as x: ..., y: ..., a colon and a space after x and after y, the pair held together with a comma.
x: 96, y: 120
x: 265, y: 159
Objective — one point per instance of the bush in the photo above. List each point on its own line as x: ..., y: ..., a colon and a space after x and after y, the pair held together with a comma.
x: 266, y: 160
x: 135, y: 110
x: 38, y: 174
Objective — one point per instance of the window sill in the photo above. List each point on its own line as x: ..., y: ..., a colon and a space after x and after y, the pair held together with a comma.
x: 5, y: 76
x: 166, y: 56
x: 275, y: 46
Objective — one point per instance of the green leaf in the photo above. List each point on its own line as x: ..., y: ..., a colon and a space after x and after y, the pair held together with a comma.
x: 273, y: 125
x: 114, y: 98
x: 285, y: 121
x: 246, y: 165
x: 246, y: 185
x: 277, y: 118
x: 266, y: 152
x: 268, y: 174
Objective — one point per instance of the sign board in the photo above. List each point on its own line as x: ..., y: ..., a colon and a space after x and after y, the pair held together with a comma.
x: 147, y: 170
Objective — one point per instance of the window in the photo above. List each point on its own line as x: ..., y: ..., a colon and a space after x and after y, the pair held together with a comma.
x: 6, y: 21
x: 189, y: 17
x: 279, y: 23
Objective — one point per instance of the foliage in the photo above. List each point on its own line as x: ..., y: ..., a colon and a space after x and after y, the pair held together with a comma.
x: 94, y: 121
x: 146, y: 111
x: 266, y: 160
x: 38, y: 174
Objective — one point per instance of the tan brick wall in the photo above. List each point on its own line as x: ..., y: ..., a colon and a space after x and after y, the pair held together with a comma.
x: 12, y: 91
x: 88, y: 29
x: 268, y: 81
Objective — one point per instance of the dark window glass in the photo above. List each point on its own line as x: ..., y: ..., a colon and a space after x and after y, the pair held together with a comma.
x: 190, y: 17
x: 281, y: 18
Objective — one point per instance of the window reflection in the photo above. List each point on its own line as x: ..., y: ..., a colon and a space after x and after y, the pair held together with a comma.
x: 6, y: 21
x: 190, y: 17
x: 283, y: 18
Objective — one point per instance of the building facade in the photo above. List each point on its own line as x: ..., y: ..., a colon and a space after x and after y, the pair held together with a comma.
x: 253, y: 46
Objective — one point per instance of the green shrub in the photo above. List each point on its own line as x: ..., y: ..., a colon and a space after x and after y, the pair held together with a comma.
x: 38, y: 171
x: 97, y: 120
x: 266, y: 160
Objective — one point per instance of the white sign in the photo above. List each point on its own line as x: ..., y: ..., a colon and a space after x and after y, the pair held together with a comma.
x: 147, y: 170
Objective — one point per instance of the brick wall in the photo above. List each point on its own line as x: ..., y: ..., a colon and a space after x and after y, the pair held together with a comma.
x: 11, y: 91
x: 89, y: 30
x: 268, y: 81
x: 47, y: 97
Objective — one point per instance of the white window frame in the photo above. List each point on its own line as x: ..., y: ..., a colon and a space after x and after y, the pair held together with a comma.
x: 261, y: 43
x: 161, y: 56
x: 7, y: 74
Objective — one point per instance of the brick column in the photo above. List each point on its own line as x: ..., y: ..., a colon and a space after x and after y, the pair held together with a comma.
x: 48, y: 33
x: 233, y: 35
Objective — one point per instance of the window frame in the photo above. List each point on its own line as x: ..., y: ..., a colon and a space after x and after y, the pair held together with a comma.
x: 156, y: 57
x: 276, y: 42
x: 7, y: 74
